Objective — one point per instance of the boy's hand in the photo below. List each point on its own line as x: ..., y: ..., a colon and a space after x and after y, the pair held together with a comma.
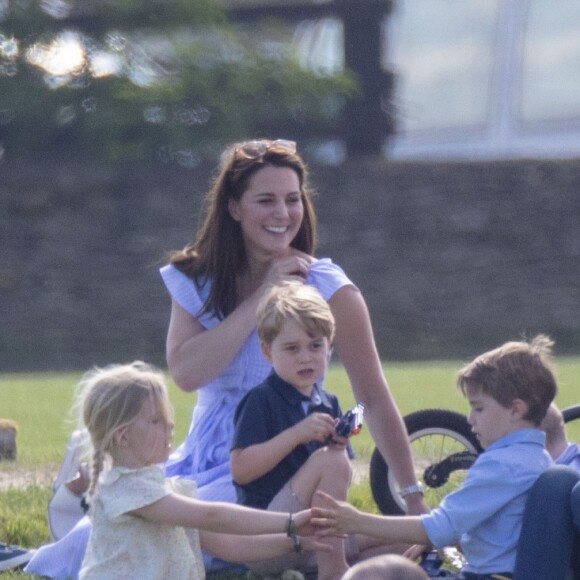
x: 337, y: 440
x: 315, y: 427
x: 333, y: 518
x: 414, y: 552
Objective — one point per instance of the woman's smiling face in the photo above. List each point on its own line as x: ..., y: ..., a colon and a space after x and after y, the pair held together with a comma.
x: 270, y: 211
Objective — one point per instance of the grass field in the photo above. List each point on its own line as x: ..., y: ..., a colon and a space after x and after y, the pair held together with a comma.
x: 40, y: 403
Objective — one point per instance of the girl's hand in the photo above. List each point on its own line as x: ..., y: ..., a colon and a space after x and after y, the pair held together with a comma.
x: 312, y: 544
x: 334, y: 518
x: 315, y: 427
x: 302, y: 524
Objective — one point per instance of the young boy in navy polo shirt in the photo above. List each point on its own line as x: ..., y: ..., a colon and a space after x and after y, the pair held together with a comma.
x: 509, y: 390
x: 285, y: 447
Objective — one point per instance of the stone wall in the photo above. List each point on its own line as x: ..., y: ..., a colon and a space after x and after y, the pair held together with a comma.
x: 452, y: 258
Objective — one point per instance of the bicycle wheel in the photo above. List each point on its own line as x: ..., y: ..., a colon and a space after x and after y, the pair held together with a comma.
x: 571, y: 413
x: 571, y: 416
x: 443, y: 448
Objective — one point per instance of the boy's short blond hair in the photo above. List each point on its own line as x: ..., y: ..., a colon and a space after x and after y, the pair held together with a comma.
x: 516, y: 370
x: 294, y: 301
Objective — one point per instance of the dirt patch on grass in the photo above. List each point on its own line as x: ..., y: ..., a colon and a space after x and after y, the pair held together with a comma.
x: 21, y: 477
x: 360, y: 470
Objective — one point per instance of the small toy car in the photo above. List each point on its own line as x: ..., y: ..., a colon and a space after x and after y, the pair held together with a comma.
x: 351, y: 423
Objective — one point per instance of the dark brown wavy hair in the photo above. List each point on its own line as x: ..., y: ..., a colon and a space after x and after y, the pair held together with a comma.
x: 218, y: 253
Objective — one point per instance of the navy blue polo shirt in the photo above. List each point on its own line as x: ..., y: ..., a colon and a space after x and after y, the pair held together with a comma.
x: 265, y: 411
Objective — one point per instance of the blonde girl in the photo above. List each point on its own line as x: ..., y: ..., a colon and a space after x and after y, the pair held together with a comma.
x: 140, y: 517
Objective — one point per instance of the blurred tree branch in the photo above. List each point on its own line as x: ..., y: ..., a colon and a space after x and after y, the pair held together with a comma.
x: 181, y: 80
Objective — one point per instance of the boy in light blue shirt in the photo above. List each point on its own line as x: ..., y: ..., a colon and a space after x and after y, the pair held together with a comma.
x: 509, y: 390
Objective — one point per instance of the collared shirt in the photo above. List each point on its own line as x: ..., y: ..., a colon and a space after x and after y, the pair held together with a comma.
x: 485, y: 514
x: 123, y: 545
x: 570, y: 456
x: 264, y: 412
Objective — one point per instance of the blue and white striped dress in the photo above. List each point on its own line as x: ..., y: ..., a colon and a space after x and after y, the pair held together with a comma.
x: 205, y: 453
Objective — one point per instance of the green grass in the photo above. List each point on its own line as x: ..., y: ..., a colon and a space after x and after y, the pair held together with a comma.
x: 40, y: 403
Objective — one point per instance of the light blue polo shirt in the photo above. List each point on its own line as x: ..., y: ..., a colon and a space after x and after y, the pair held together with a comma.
x: 485, y: 514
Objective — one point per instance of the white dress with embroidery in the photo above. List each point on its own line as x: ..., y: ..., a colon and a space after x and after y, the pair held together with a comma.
x: 125, y: 546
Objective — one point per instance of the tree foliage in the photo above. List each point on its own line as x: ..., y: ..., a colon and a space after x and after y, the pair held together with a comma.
x: 146, y: 78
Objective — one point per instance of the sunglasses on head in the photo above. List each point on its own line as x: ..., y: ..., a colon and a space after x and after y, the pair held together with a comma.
x: 256, y: 149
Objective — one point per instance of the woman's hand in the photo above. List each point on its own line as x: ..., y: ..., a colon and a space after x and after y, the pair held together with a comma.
x: 196, y: 355
x: 292, y: 267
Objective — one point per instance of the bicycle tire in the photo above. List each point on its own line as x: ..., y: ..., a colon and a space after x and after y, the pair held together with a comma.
x: 436, y: 435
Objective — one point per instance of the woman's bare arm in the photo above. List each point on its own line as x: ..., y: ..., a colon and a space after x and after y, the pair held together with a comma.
x: 195, y: 355
x: 357, y: 351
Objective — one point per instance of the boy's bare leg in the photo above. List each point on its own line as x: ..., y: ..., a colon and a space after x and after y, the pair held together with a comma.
x: 327, y: 470
x: 370, y: 547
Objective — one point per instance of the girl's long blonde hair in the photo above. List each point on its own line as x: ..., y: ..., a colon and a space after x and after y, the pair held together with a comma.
x: 110, y: 398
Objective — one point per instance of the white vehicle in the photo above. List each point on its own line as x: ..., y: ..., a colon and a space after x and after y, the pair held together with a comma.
x: 484, y: 79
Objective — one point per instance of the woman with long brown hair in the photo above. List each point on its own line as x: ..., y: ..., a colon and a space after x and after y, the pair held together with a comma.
x: 259, y: 228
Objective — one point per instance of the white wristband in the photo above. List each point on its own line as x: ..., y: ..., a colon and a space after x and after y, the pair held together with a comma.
x: 415, y: 488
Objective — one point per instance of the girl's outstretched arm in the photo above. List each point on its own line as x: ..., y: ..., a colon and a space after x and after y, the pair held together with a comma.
x: 179, y: 510
x: 337, y: 518
x: 233, y: 548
